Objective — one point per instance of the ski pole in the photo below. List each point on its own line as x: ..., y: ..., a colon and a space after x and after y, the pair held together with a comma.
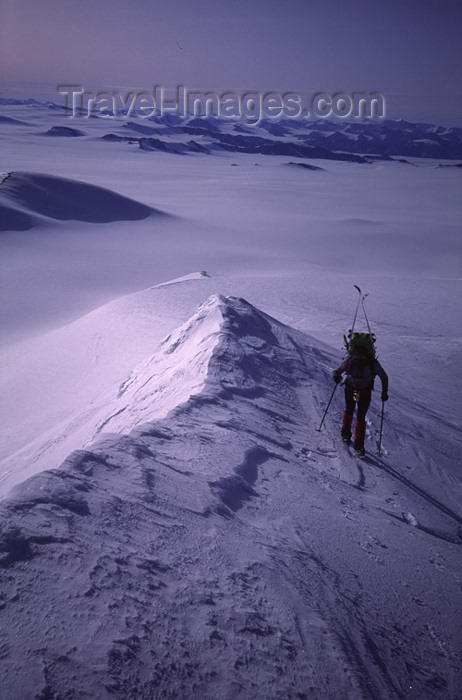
x: 381, y: 428
x: 325, y: 412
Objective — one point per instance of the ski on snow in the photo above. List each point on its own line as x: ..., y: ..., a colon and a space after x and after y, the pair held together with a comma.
x: 360, y: 454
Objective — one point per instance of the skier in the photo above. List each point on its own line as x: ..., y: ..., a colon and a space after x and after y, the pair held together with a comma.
x: 360, y: 369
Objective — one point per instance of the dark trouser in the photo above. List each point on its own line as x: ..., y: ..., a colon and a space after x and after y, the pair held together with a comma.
x: 363, y: 402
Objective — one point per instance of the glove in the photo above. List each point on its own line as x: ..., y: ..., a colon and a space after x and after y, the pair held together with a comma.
x: 337, y: 377
x: 384, y: 396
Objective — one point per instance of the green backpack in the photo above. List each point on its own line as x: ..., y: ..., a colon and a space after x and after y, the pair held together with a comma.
x: 361, y: 345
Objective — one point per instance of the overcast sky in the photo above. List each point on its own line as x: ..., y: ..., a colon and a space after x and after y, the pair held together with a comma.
x: 410, y: 51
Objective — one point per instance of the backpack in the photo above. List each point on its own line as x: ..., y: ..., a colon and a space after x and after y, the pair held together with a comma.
x: 360, y: 362
x: 361, y: 345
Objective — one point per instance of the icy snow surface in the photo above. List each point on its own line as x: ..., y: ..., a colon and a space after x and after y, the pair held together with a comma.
x: 218, y: 550
x: 30, y: 199
x: 172, y: 524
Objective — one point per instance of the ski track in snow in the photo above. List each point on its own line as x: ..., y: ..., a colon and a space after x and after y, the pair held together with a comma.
x: 229, y: 550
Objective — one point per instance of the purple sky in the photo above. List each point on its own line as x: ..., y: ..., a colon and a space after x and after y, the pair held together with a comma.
x: 410, y: 51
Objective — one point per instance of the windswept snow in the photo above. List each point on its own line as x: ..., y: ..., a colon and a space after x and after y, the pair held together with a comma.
x: 183, y: 278
x: 229, y: 549
x: 28, y: 199
x: 168, y: 378
x: 172, y: 524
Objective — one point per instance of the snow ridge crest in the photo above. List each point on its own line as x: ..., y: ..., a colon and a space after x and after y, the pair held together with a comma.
x: 227, y: 347
x: 229, y: 359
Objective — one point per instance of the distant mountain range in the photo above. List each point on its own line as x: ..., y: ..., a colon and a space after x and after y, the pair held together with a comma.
x: 359, y: 141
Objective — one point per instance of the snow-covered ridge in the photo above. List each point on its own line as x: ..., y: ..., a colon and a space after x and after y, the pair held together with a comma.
x: 206, y: 356
x: 184, y: 278
x: 228, y: 545
x: 215, y: 353
x: 31, y: 199
x: 226, y: 352
x: 177, y: 370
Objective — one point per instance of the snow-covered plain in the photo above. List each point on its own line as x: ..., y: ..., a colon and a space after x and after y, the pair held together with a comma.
x: 172, y: 524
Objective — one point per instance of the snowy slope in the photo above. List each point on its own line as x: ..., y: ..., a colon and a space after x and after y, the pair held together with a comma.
x: 59, y: 388
x: 233, y: 212
x: 31, y: 199
x: 229, y: 549
x: 202, y: 539
x: 56, y: 387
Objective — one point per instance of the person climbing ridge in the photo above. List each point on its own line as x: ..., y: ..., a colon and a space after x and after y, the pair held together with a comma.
x: 360, y: 367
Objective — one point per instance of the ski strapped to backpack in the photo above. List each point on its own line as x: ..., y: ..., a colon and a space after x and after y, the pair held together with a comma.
x: 360, y: 344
